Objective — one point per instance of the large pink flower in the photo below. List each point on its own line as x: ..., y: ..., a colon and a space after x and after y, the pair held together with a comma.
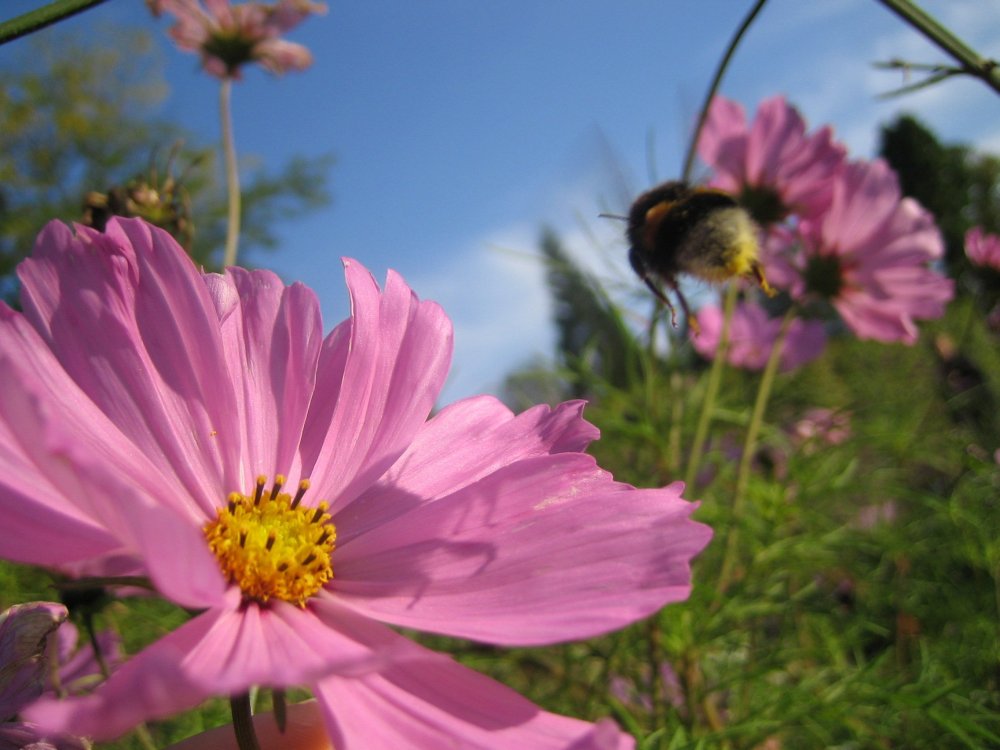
x: 771, y: 165
x: 752, y: 335
x: 229, y: 36
x: 869, y: 255
x: 154, y: 413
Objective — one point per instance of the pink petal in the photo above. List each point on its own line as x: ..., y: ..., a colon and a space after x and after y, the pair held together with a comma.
x: 378, y: 379
x: 271, y: 336
x: 129, y: 317
x: 223, y: 652
x: 775, y: 131
x: 865, y: 196
x: 436, y: 703
x: 544, y: 550
x: 463, y: 443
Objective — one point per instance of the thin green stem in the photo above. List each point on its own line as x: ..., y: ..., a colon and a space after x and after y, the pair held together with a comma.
x: 83, y: 584
x: 711, y: 391
x: 750, y: 448
x: 714, y: 86
x: 971, y: 62
x: 232, y: 173
x: 39, y: 18
x: 246, y: 736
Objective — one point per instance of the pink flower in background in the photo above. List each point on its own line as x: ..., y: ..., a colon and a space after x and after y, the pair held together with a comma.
x: 228, y: 36
x: 771, y: 165
x: 870, y: 256
x: 983, y: 249
x: 154, y: 413
x: 25, y: 632
x: 819, y: 425
x: 752, y: 334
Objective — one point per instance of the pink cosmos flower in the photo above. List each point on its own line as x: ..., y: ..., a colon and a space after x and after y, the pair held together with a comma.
x: 983, y: 249
x: 228, y: 36
x: 821, y: 426
x: 155, y: 413
x: 869, y: 255
x: 752, y: 333
x: 771, y: 165
x: 25, y: 631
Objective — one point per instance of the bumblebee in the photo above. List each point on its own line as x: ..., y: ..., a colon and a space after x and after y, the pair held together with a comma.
x: 675, y: 229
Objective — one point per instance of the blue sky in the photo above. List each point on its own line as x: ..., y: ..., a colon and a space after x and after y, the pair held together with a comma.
x: 459, y: 128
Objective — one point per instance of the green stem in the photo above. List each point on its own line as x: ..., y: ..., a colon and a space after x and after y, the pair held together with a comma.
x: 232, y: 174
x: 39, y: 18
x: 246, y: 736
x: 750, y: 447
x: 101, y: 582
x: 971, y: 62
x: 711, y: 392
x: 714, y: 86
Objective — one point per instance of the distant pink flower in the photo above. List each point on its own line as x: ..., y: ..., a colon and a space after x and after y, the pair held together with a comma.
x: 772, y: 166
x: 869, y: 256
x: 983, y: 249
x: 229, y: 36
x: 155, y: 412
x: 25, y: 633
x: 752, y: 334
x: 822, y: 426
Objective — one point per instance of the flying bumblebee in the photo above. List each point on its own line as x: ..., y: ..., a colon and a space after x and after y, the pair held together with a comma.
x: 675, y: 229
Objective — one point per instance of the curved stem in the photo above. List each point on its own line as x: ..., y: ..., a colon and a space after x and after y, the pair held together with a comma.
x: 232, y: 174
x: 750, y: 447
x: 714, y: 86
x: 711, y: 391
x: 246, y: 736
x: 971, y: 62
x: 39, y: 18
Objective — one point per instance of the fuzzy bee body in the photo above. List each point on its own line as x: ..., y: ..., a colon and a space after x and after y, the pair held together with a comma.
x: 675, y: 229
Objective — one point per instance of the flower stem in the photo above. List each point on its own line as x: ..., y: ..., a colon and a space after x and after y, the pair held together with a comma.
x: 246, y: 737
x: 711, y: 392
x: 971, y: 62
x: 232, y: 173
x: 39, y: 18
x: 714, y: 86
x: 750, y: 448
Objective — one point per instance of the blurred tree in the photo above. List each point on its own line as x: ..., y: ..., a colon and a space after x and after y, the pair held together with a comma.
x: 80, y: 138
x: 593, y: 342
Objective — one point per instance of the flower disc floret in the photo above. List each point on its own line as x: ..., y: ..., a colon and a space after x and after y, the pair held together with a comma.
x: 271, y: 546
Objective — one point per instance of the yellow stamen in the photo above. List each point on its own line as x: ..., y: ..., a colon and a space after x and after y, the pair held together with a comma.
x: 270, y: 546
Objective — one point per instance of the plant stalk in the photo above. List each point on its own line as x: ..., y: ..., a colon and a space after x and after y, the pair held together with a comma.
x: 714, y: 87
x: 750, y: 448
x: 39, y: 18
x: 232, y: 173
x: 711, y: 391
x: 970, y: 61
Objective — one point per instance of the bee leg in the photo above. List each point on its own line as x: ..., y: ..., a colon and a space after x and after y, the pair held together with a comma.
x: 758, y: 272
x: 691, y: 320
x: 663, y: 298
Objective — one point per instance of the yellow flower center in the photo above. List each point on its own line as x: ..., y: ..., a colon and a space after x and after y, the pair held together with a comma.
x: 271, y: 546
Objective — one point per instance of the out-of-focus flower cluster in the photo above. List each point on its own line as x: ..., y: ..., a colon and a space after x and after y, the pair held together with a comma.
x: 838, y: 235
x: 229, y: 36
